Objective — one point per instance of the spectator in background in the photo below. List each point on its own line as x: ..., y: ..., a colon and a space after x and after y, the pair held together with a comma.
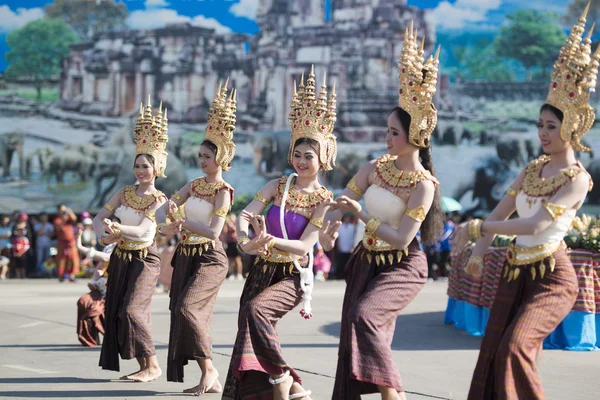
x: 68, y: 257
x: 23, y: 223
x: 5, y: 236
x: 20, y: 247
x: 444, y: 246
x: 4, y: 263
x: 88, y: 236
x: 44, y: 232
x: 344, y: 244
x: 233, y: 255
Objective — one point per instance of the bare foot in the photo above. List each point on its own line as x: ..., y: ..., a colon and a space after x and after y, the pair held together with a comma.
x: 147, y: 375
x: 192, y: 390
x: 281, y: 391
x: 297, y: 389
x: 216, y: 388
x: 207, y: 381
x: 128, y: 377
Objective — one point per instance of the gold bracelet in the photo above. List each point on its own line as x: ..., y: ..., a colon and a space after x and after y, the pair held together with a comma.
x: 158, y: 228
x: 242, y: 241
x: 475, y: 229
x: 512, y: 191
x: 259, y: 197
x: 318, y: 222
x: 221, y: 212
x: 354, y: 187
x: 477, y: 259
x: 178, y: 197
x: 177, y: 215
x: 109, y: 208
x: 116, y: 227
x: 373, y: 225
x: 101, y: 241
x: 417, y: 213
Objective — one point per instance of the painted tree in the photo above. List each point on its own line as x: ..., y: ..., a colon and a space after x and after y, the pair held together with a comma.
x: 531, y: 37
x: 37, y: 49
x: 87, y: 18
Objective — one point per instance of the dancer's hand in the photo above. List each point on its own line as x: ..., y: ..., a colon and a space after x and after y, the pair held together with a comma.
x: 257, y: 221
x: 475, y: 267
x: 172, y: 228
x: 329, y: 234
x: 110, y: 238
x: 347, y: 204
x: 108, y: 226
x: 172, y: 210
x: 327, y: 205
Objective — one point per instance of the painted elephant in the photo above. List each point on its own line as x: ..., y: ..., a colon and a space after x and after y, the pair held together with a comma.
x: 115, y: 170
x: 87, y: 149
x: 346, y: 167
x: 189, y: 156
x: 43, y: 155
x: 69, y: 161
x: 9, y: 144
x: 270, y: 150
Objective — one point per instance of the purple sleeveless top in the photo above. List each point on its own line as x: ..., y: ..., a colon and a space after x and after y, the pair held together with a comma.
x: 294, y: 223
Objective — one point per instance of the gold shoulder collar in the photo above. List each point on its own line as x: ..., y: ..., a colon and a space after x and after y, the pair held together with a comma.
x: 201, y: 188
x: 387, y: 174
x: 536, y: 186
x: 132, y: 200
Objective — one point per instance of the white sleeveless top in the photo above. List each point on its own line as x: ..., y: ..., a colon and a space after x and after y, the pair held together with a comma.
x: 554, y: 233
x: 384, y: 205
x: 199, y: 210
x: 133, y: 217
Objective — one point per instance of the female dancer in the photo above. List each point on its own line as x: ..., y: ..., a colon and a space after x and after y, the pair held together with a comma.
x: 538, y: 286
x: 387, y: 269
x: 200, y: 264
x: 134, y: 264
x: 277, y: 282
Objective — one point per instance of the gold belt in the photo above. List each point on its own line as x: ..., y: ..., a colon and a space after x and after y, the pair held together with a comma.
x: 277, y: 256
x: 125, y: 246
x: 190, y: 238
x: 200, y: 244
x: 535, y: 257
x: 375, y: 247
x: 373, y: 243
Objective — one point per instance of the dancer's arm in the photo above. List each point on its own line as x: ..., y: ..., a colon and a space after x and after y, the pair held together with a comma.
x: 179, y: 198
x: 566, y: 198
x: 90, y: 252
x: 212, y: 231
x: 417, y: 208
x: 261, y: 200
x: 105, y: 212
x: 137, y: 230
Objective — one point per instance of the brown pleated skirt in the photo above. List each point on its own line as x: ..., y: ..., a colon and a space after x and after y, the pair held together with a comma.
x: 375, y: 295
x: 271, y: 291
x: 524, y: 313
x: 129, y: 290
x: 197, y: 277
x: 90, y: 318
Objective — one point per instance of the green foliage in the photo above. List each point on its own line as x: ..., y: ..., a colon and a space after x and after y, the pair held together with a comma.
x: 531, y: 37
x: 37, y: 49
x: 193, y: 138
x: 480, y: 62
x: 87, y: 18
x: 48, y: 94
x: 240, y: 202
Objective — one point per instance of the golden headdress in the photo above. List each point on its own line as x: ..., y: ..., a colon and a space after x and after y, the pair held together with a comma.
x: 150, y: 135
x: 418, y: 84
x: 314, y: 118
x: 221, y: 124
x: 573, y: 79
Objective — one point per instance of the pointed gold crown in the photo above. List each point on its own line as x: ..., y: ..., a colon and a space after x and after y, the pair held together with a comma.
x: 221, y: 124
x: 150, y: 135
x: 314, y: 118
x: 418, y: 84
x: 573, y: 79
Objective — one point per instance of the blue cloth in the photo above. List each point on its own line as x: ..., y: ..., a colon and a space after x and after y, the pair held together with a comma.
x: 444, y: 240
x: 579, y: 331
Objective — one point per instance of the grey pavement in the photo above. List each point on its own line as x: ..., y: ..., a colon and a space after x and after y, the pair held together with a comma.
x: 40, y: 356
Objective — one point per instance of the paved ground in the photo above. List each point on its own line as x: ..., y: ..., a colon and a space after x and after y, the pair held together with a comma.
x: 40, y: 356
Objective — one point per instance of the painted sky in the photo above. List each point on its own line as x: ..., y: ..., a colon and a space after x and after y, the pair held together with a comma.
x: 238, y: 15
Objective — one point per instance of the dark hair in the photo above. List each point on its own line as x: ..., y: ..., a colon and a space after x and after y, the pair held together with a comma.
x: 557, y: 113
x: 311, y: 142
x: 210, y: 145
x: 434, y: 221
x: 150, y: 158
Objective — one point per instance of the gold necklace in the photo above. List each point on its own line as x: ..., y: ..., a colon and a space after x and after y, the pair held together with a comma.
x: 301, y: 203
x: 132, y: 200
x: 201, y: 188
x: 535, y: 186
x: 390, y: 176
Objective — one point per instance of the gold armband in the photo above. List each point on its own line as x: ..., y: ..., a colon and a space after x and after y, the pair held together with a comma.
x: 318, y: 222
x: 178, y: 197
x: 555, y: 210
x: 151, y: 215
x: 109, y: 208
x: 221, y: 212
x: 373, y: 225
x: 475, y: 228
x: 354, y: 187
x: 259, y: 197
x: 417, y: 213
x: 242, y: 241
x: 512, y: 192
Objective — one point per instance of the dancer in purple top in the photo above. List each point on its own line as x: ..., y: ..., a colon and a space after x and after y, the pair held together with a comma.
x: 282, y: 276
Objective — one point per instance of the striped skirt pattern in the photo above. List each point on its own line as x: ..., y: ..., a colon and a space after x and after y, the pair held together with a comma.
x: 524, y: 313
x: 271, y: 291
x: 131, y: 284
x: 197, y: 278
x: 375, y: 296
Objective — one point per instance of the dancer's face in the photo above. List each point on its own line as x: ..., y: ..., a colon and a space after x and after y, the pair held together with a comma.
x: 305, y: 161
x: 549, y: 133
x: 396, y: 138
x: 208, y: 160
x: 143, y: 169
